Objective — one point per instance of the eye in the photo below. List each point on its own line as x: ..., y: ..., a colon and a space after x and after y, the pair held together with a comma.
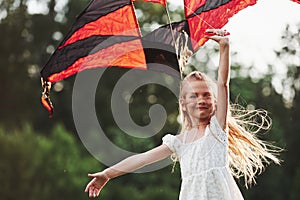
x: 207, y: 95
x: 193, y: 96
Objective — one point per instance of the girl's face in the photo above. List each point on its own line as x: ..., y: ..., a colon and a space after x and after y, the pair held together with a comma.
x: 198, y: 101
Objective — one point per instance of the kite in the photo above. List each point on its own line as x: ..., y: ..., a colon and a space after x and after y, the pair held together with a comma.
x: 107, y: 34
x: 297, y: 1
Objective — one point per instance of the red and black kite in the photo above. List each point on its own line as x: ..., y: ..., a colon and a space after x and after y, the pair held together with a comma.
x: 297, y: 1
x: 107, y: 34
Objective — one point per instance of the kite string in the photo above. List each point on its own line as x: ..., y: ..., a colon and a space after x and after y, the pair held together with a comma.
x: 171, y: 28
x: 200, y: 17
x: 173, y: 37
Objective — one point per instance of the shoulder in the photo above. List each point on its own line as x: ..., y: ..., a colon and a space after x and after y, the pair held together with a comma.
x: 172, y: 141
x: 172, y: 138
x: 217, y: 130
x: 215, y: 123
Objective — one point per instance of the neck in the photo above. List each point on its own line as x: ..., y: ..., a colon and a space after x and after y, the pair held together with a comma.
x: 200, y: 124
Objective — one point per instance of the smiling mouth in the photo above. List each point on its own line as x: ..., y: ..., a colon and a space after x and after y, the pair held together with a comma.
x: 202, y: 108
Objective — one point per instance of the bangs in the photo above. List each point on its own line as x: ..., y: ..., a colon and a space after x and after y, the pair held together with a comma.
x: 198, y: 76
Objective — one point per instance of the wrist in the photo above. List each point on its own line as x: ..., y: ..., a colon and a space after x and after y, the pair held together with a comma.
x: 107, y: 174
x: 224, y: 43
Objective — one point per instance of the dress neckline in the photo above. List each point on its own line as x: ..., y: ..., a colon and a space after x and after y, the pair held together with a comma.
x: 206, y: 132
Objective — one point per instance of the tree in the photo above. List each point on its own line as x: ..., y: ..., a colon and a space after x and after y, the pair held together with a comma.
x: 35, y: 167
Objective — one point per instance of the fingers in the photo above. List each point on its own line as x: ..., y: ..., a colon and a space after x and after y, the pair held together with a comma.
x: 92, y: 188
x: 92, y: 175
x: 90, y: 192
x: 91, y: 183
x: 218, y: 35
x: 218, y: 32
x: 87, y: 188
x: 93, y: 191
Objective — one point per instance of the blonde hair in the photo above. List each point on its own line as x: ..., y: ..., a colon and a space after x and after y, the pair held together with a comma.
x: 247, y: 154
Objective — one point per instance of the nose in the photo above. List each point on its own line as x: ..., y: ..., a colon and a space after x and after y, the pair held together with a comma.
x: 200, y: 100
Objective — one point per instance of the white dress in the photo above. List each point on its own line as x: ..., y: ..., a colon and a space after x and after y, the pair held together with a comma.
x: 204, y: 166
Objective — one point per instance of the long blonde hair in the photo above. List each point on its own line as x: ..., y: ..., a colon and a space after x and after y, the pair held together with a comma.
x: 247, y: 154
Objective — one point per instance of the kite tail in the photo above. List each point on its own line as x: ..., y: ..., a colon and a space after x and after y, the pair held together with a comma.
x: 45, y: 98
x: 183, y: 50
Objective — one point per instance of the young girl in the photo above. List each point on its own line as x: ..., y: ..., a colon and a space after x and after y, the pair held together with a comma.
x: 212, y: 146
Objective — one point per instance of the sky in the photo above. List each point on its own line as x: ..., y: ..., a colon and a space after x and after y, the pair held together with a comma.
x: 255, y: 32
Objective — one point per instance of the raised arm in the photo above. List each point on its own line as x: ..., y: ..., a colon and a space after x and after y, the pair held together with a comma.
x: 129, y: 164
x: 223, y: 75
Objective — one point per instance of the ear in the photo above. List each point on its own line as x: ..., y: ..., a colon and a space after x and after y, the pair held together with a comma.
x: 182, y: 104
x: 215, y: 107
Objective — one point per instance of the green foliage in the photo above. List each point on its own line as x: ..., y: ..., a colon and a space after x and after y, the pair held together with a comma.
x: 55, y: 167
x: 295, y: 189
x: 148, y: 186
x: 34, y: 166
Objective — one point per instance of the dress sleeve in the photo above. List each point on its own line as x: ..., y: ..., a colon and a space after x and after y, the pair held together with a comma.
x: 170, y: 141
x: 217, y: 130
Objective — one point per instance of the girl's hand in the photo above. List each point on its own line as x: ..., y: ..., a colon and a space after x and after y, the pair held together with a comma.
x: 218, y: 35
x: 96, y: 184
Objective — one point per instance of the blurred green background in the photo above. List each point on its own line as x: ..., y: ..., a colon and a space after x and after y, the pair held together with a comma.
x: 42, y: 158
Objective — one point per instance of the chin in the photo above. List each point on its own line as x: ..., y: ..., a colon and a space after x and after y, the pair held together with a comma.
x: 205, y: 115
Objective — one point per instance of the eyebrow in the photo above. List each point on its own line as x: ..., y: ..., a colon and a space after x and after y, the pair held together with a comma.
x: 205, y: 93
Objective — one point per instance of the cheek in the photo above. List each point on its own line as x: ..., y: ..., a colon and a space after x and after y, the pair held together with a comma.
x: 189, y: 106
x: 212, y: 103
